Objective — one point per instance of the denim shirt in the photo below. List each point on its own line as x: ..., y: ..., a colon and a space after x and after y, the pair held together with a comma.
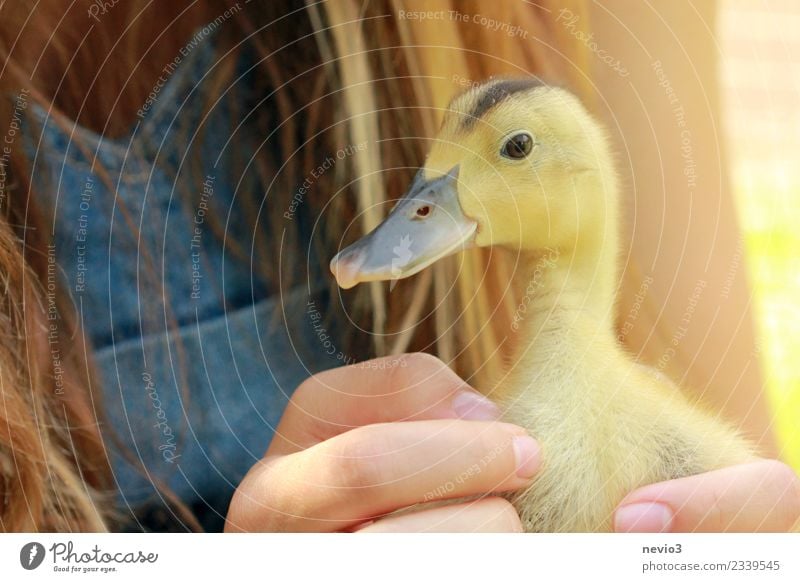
x: 196, y: 360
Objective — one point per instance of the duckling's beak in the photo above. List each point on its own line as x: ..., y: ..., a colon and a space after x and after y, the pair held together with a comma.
x: 426, y: 225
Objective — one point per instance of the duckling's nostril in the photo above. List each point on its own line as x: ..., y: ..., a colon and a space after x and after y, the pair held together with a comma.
x: 423, y: 211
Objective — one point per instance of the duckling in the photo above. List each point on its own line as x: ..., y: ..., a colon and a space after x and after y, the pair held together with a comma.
x: 521, y: 164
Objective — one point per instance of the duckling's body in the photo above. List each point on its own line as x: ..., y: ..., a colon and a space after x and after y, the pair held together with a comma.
x: 606, y: 424
x: 523, y: 166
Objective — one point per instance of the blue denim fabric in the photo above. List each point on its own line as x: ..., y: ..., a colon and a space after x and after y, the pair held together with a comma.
x: 195, y: 371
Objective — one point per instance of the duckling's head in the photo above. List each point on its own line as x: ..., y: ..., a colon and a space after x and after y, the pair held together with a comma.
x: 516, y: 163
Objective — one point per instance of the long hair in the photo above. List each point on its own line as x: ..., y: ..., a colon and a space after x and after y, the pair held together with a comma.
x: 342, y: 72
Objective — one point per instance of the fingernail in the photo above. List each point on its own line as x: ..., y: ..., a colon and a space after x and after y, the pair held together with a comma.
x: 526, y: 453
x: 361, y: 526
x: 643, y: 517
x: 472, y: 406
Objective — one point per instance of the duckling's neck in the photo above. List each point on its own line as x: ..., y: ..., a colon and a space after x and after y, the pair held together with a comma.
x: 581, y: 280
x: 577, y: 275
x: 567, y: 309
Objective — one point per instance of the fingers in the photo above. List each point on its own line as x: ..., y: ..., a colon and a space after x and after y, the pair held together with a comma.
x: 490, y: 515
x: 371, y: 471
x: 759, y: 496
x: 394, y: 388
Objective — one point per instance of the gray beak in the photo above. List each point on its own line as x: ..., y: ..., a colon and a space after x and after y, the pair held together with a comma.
x: 426, y: 225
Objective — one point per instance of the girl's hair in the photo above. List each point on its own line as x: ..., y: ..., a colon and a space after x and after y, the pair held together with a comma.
x: 341, y: 72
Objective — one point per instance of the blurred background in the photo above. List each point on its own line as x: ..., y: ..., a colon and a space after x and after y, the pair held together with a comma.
x: 760, y: 69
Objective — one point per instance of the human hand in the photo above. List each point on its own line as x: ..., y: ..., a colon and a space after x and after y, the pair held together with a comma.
x: 760, y: 496
x: 359, y: 442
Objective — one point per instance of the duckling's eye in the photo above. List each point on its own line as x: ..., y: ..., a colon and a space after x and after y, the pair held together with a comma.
x: 518, y: 146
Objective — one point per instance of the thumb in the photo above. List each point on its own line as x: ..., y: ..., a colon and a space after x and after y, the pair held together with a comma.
x: 759, y: 496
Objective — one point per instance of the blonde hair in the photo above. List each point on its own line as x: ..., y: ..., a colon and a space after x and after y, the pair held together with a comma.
x: 390, y: 75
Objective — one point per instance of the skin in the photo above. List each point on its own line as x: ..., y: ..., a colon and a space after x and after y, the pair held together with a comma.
x: 359, y: 442
x: 763, y: 496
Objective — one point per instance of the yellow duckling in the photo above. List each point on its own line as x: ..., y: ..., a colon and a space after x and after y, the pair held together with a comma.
x: 523, y: 165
